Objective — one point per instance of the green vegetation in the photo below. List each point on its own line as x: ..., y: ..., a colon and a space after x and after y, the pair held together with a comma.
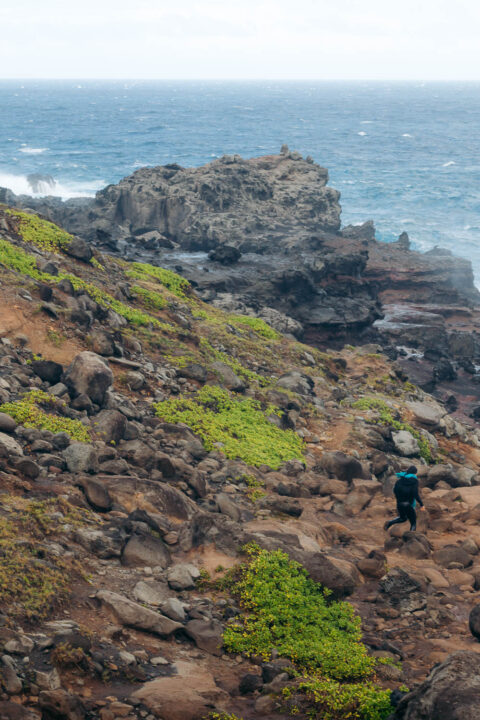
x: 32, y: 579
x: 385, y: 417
x: 55, y: 337
x: 285, y: 609
x: 151, y: 299
x: 240, y: 426
x: 17, y: 259
x: 254, y: 487
x: 41, y: 233
x: 256, y: 324
x: 176, y: 284
x: 27, y: 412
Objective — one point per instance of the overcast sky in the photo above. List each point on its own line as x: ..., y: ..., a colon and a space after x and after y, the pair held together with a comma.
x: 251, y: 39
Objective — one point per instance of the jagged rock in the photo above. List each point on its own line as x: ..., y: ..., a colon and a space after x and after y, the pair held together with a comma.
x: 7, y: 423
x: 339, y: 576
x: 81, y: 458
x: 427, y: 414
x: 226, y: 254
x: 147, y: 551
x: 102, y: 343
x: 48, y: 679
x: 27, y: 467
x: 106, y: 544
x: 9, y: 447
x: 405, y: 444
x: 138, y: 453
x: 474, y: 622
x: 207, y: 635
x: 402, y: 591
x: 61, y: 705
x: 194, y: 371
x: 249, y: 683
x: 450, y: 692
x: 89, y: 375
x: 416, y: 545
x: 441, y: 473
x: 79, y: 249
x: 173, y: 609
x: 10, y: 680
x: 14, y: 711
x: 134, y: 615
x: 342, y: 466
x: 189, y: 695
x: 48, y: 370
x: 110, y: 425
x: 228, y: 507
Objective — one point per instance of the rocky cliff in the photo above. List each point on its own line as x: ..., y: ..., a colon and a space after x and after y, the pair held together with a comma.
x: 179, y: 485
x: 263, y: 237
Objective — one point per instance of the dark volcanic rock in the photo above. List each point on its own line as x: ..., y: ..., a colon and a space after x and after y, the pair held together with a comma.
x: 226, y: 255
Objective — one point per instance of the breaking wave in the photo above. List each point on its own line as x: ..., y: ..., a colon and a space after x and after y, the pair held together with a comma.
x: 42, y: 185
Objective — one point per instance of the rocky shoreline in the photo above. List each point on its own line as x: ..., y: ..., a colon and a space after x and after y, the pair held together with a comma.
x: 263, y: 237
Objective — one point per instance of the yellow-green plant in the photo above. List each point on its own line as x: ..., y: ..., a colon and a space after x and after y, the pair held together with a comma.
x: 39, y: 232
x: 239, y: 428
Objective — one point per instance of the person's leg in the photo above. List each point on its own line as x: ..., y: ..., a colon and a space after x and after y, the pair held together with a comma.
x: 402, y: 516
x: 412, y: 516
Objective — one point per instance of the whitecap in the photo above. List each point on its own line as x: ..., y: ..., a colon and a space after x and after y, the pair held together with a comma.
x: 32, y: 151
x: 20, y: 185
x: 449, y: 163
x: 407, y: 135
x: 362, y: 133
x: 366, y: 122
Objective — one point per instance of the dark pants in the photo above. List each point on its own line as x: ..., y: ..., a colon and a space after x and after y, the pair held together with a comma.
x: 406, y: 511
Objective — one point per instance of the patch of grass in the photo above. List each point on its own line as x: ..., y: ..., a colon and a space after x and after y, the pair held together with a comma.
x: 27, y: 412
x: 176, y: 284
x: 32, y: 579
x: 285, y: 609
x: 151, y: 299
x: 256, y: 324
x: 41, y: 233
x: 55, y: 337
x: 241, y: 426
x: 254, y: 487
x: 385, y: 417
x: 96, y: 264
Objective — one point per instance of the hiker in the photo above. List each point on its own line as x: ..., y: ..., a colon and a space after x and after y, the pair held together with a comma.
x: 406, y: 493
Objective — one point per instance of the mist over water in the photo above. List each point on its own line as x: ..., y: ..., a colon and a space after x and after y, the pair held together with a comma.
x: 405, y: 155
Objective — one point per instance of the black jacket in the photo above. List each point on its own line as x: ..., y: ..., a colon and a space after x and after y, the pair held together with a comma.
x: 406, y: 489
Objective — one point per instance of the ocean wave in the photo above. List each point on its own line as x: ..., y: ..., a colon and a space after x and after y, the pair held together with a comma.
x: 449, y: 163
x: 362, y: 133
x: 20, y: 185
x: 32, y: 151
x: 407, y: 135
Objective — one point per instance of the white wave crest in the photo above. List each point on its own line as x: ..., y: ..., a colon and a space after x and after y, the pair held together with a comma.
x: 407, y: 135
x: 32, y: 151
x: 20, y: 185
x: 449, y: 163
x: 362, y: 133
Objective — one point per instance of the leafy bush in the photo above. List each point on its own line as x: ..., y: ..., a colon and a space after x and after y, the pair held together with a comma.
x: 256, y: 324
x: 175, y: 283
x: 27, y: 412
x: 41, y: 233
x: 289, y: 611
x: 150, y: 298
x: 337, y: 701
x: 241, y: 426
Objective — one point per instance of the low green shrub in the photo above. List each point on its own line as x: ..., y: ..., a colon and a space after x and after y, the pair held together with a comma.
x: 241, y: 426
x: 176, y: 284
x: 41, y: 233
x: 256, y: 324
x: 27, y: 412
x: 331, y: 700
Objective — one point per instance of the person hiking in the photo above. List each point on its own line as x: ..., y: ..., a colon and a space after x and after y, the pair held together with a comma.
x: 406, y: 493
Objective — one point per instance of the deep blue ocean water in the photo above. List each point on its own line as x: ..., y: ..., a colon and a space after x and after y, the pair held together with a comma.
x: 405, y: 155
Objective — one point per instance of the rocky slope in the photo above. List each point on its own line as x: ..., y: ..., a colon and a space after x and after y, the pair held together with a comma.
x: 271, y: 226
x: 145, y: 438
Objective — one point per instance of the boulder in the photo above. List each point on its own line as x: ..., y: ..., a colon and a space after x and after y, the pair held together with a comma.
x: 342, y: 466
x: 402, y: 591
x: 373, y: 565
x: 97, y: 494
x: 9, y: 447
x: 182, y: 577
x: 441, y: 473
x: 426, y: 414
x: 61, y: 704
x: 146, y: 551
x: 405, y: 444
x: 89, y: 375
x: 48, y: 370
x: 7, y: 423
x: 81, y: 458
x: 474, y: 622
x: 227, y: 377
x: 225, y: 254
x: 110, y: 425
x: 207, y: 635
x: 79, y: 249
x: 228, y: 507
x: 450, y: 692
x: 452, y: 555
x: 297, y: 382
x: 339, y: 576
x: 28, y: 468
x: 132, y: 614
x: 188, y: 695
x: 152, y: 593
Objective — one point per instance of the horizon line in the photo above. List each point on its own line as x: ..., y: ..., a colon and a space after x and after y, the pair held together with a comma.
x: 240, y: 79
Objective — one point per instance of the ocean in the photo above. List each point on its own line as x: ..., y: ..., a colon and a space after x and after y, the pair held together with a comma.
x: 406, y: 155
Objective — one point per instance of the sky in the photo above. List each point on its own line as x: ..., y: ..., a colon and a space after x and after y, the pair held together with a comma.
x: 241, y: 39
